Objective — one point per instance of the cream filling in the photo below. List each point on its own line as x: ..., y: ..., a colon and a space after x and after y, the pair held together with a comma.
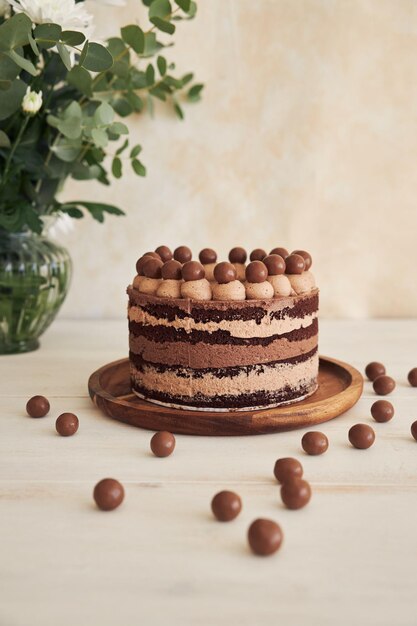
x: 244, y: 329
x: 272, y: 379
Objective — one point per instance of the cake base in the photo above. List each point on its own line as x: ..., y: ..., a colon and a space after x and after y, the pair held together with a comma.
x: 339, y: 388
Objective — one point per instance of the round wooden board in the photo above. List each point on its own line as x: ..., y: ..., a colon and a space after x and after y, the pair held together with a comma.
x: 340, y: 387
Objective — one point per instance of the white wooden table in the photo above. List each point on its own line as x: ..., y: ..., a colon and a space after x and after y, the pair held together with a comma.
x: 350, y: 557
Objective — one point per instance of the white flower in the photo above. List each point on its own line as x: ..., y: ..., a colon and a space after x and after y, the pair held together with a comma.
x: 31, y: 102
x: 4, y: 8
x: 66, y: 13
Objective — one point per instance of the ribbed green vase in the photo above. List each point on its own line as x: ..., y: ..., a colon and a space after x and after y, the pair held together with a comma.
x: 35, y: 274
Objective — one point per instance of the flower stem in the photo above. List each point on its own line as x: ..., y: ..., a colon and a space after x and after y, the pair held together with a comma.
x: 14, y: 148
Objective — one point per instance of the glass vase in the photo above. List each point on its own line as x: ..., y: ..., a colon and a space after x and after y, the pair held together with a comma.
x: 35, y: 274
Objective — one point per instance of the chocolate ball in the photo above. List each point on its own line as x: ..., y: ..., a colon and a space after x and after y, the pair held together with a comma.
x: 38, y: 406
x: 383, y: 385
x: 374, y: 369
x: 382, y: 411
x: 314, y: 443
x: 295, y: 493
x: 143, y: 259
x: 294, y: 264
x: 361, y: 436
x: 287, y: 469
x: 207, y: 256
x: 67, y: 424
x: 226, y: 505
x: 414, y: 430
x: 238, y: 255
x: 265, y: 537
x: 164, y: 253
x: 280, y: 251
x: 108, y: 494
x: 275, y: 264
x: 256, y: 272
x: 193, y: 270
x: 172, y: 270
x: 308, y: 261
x: 183, y: 254
x: 153, y: 268
x: 258, y: 254
x: 412, y: 377
x: 163, y: 444
x: 225, y: 272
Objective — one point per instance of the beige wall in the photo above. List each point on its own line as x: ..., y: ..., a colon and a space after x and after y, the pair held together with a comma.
x: 306, y: 137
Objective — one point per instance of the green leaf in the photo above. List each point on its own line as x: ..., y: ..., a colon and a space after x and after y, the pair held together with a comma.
x: 72, y: 211
x: 135, y: 151
x: 22, y: 62
x: 162, y: 65
x: 151, y: 45
x: 84, y: 53
x: 159, y: 93
x: 8, y: 70
x: 72, y: 38
x: 33, y: 45
x: 117, y: 167
x: 178, y: 110
x: 11, y: 100
x: 134, y: 37
x: 14, y: 32
x: 117, y: 128
x: 79, y: 78
x: 187, y: 78
x: 98, y: 209
x: 70, y: 127
x: 193, y: 94
x: 138, y: 167
x: 104, y: 114
x: 47, y: 35
x: 183, y: 4
x: 163, y: 25
x: 160, y: 8
x: 122, y: 107
x: 100, y: 137
x: 135, y: 101
x: 192, y: 10
x: 66, y: 150
x: 65, y: 56
x: 98, y: 58
x: 4, y: 140
x: 150, y: 74
x: 73, y: 110
x: 122, y: 147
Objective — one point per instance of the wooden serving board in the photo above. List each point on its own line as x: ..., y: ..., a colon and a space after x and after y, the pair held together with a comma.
x: 340, y: 387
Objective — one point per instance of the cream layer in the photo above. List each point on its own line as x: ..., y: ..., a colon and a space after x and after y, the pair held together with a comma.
x: 244, y: 329
x: 271, y: 379
x: 202, y: 355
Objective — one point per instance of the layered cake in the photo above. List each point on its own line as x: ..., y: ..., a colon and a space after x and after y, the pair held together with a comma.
x: 223, y: 336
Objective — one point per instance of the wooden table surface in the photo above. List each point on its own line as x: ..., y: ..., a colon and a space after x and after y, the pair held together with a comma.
x: 349, y: 557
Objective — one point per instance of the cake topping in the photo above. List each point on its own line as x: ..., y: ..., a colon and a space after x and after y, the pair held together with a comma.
x: 226, y: 505
x: 306, y: 256
x: 280, y: 251
x: 257, y: 255
x: 281, y: 285
x: 361, y: 436
x: 108, y: 494
x: 264, y: 536
x: 164, y: 252
x: 382, y: 411
x: 287, y: 468
x: 238, y: 255
x: 183, y: 254
x: 314, y: 443
x: 296, y: 493
x: 171, y: 270
x: 193, y: 270
x: 275, y: 264
x: 256, y: 272
x: 196, y: 289
x: 234, y: 290
x: 225, y: 272
x: 295, y: 264
x: 141, y: 262
x: 207, y: 255
x: 152, y: 268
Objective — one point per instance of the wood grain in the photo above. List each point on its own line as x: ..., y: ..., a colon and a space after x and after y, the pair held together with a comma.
x: 340, y: 387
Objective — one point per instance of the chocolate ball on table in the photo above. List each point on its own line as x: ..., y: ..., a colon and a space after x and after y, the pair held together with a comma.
x: 226, y: 506
x: 258, y: 254
x: 308, y: 261
x: 314, y: 443
x: 108, y: 494
x: 295, y: 264
x: 164, y: 253
x: 183, y: 254
x: 67, y: 424
x: 382, y: 411
x: 38, y: 406
x: 207, y: 256
x: 225, y: 272
x: 238, y: 255
x: 374, y: 369
x: 414, y: 430
x: 383, y: 385
x: 412, y: 377
x: 361, y: 436
x: 275, y: 264
x: 264, y: 537
x: 287, y: 468
x: 296, y: 493
x: 163, y: 444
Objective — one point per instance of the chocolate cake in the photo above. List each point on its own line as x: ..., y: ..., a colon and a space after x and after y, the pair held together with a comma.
x: 223, y: 336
